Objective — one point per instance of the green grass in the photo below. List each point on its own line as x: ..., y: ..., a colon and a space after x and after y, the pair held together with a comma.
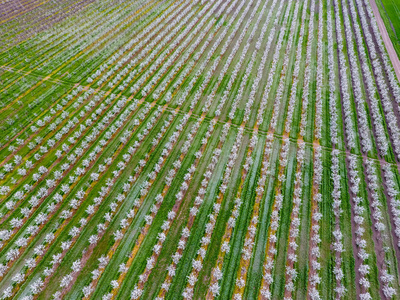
x: 390, y: 13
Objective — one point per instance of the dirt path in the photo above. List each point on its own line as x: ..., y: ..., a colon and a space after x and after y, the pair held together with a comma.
x: 386, y: 39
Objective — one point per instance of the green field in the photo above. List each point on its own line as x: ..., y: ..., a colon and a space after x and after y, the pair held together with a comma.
x: 189, y: 149
x: 390, y: 13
